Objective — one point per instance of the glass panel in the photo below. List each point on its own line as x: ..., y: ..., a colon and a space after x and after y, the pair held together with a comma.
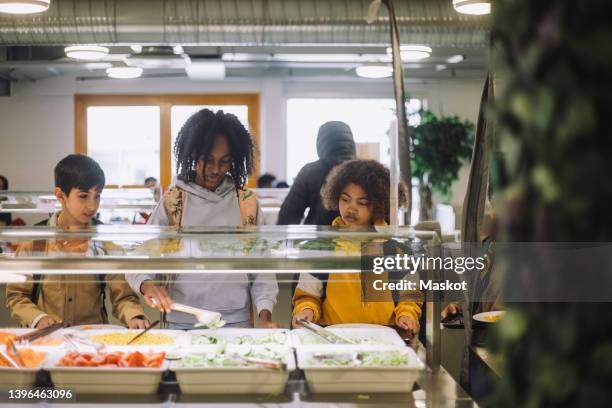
x: 264, y: 248
x: 180, y: 113
x: 124, y: 140
x: 369, y: 119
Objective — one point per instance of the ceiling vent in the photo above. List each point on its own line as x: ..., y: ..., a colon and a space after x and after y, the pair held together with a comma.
x: 158, y: 57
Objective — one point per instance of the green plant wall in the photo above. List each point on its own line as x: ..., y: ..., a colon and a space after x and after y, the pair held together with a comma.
x: 555, y: 59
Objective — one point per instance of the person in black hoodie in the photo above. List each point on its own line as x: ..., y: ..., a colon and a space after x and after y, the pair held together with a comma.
x: 335, y: 145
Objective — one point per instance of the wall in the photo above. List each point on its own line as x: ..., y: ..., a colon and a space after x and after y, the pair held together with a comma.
x: 37, y: 122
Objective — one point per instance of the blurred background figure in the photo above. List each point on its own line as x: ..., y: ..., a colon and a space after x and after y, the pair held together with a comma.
x: 151, y: 182
x: 266, y: 180
x: 335, y: 144
x: 5, y: 218
x: 282, y: 184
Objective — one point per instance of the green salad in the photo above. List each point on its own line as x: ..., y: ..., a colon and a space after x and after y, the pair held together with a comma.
x: 222, y: 359
x: 364, y: 359
x: 279, y: 338
x: 311, y: 339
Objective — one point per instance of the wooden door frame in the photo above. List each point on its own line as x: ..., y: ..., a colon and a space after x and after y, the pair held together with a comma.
x: 165, y: 102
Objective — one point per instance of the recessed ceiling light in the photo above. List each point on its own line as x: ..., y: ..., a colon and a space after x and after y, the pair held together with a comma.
x: 374, y: 71
x: 23, y: 6
x: 124, y: 72
x: 455, y: 59
x: 86, y: 52
x: 413, y: 52
x: 441, y: 67
x: 475, y: 7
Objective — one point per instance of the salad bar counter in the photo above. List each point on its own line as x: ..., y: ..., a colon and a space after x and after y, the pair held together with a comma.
x: 278, y: 366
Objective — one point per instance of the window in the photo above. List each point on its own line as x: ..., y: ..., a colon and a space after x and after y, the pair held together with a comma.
x: 124, y: 140
x: 132, y: 136
x: 369, y: 119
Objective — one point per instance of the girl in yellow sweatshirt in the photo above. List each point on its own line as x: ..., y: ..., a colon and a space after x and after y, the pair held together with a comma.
x: 359, y: 190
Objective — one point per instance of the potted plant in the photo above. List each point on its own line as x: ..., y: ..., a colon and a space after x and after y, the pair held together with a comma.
x: 440, y: 146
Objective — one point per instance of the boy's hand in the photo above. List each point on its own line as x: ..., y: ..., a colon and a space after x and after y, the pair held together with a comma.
x: 155, y: 296
x: 408, y: 323
x: 45, y: 322
x: 138, y: 323
x: 265, y: 319
x: 306, y: 314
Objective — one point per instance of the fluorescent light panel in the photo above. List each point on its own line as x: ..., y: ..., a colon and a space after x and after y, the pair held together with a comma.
x: 205, y: 71
x: 455, y: 59
x: 124, y: 72
x: 473, y: 7
x: 413, y: 52
x: 86, y: 52
x: 374, y: 71
x: 23, y: 6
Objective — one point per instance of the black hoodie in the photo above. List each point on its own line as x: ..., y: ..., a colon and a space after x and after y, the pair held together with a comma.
x: 335, y: 145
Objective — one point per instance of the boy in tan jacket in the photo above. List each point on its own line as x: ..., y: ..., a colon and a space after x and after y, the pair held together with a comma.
x: 73, y: 299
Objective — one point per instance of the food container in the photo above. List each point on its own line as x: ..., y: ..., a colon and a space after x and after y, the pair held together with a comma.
x: 178, y: 338
x: 253, y: 337
x: 11, y: 377
x: 371, y: 336
x: 322, y: 378
x: 21, y: 377
x: 235, y: 380
x: 104, y: 380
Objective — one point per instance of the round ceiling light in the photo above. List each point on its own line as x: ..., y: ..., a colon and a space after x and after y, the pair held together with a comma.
x: 23, y: 6
x: 374, y: 71
x: 413, y: 52
x: 124, y: 72
x: 86, y: 52
x: 474, y: 7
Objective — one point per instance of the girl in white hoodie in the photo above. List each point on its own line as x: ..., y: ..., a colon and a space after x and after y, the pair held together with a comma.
x: 214, y: 156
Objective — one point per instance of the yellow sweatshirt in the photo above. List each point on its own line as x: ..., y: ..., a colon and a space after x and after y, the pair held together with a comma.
x: 343, y: 298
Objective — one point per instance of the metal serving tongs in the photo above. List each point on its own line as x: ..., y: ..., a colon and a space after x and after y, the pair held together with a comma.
x: 9, y: 358
x: 72, y: 339
x: 354, y: 357
x: 30, y: 337
x: 325, y: 334
x: 262, y: 362
x: 142, y: 333
x: 36, y: 334
x: 204, y: 317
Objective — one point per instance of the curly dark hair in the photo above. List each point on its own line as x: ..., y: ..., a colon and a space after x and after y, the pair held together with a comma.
x: 197, y: 137
x: 370, y: 175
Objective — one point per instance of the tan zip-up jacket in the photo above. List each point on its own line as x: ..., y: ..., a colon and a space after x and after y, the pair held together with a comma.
x: 72, y: 299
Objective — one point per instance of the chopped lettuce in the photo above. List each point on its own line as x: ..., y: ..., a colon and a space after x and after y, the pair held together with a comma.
x: 366, y: 359
x: 221, y: 359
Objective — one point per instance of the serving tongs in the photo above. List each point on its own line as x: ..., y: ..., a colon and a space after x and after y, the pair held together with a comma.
x: 72, y: 339
x: 142, y: 333
x: 204, y: 317
x: 323, y: 333
x: 262, y: 362
x: 354, y: 357
x: 10, y: 359
x: 36, y: 334
x: 26, y: 339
